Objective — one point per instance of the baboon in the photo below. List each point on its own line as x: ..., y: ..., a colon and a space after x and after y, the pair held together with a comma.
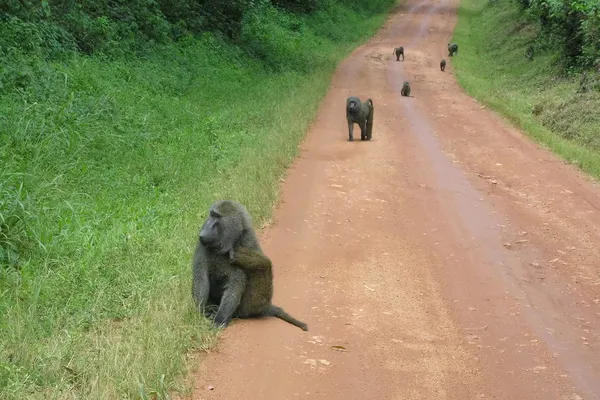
x: 452, y: 48
x: 225, y: 275
x: 443, y: 65
x: 361, y: 114
x: 405, y: 89
x: 399, y: 51
x: 529, y: 53
x: 256, y: 300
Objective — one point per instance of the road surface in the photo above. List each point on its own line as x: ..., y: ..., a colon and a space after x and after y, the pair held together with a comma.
x: 450, y: 256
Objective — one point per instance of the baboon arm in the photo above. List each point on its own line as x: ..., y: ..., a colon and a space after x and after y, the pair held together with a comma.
x: 251, y: 259
x: 200, y: 281
x: 232, y: 296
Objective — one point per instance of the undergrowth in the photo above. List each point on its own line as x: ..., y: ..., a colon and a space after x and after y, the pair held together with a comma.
x: 108, y: 168
x: 557, y: 108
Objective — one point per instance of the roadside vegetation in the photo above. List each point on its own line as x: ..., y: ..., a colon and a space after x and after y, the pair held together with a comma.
x: 120, y: 123
x: 555, y: 97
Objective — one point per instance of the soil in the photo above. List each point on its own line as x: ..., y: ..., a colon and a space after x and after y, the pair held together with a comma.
x: 450, y: 257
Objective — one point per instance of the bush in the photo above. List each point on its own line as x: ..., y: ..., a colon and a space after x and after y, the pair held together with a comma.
x: 574, y: 25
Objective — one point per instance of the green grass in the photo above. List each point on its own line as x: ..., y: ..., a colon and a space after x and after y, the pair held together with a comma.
x: 108, y: 168
x: 533, y: 95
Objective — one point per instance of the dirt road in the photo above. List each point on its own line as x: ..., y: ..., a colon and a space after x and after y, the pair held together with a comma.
x: 450, y: 256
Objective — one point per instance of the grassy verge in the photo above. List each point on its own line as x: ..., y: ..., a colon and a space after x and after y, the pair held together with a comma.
x: 534, y: 95
x: 108, y: 168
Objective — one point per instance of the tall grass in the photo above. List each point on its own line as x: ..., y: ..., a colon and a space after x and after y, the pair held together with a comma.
x: 108, y: 167
x: 535, y: 95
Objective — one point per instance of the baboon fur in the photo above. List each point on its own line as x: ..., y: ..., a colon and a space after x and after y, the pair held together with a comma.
x: 361, y: 114
x: 230, y: 270
x: 443, y: 65
x: 452, y: 48
x: 405, y: 91
x: 399, y: 51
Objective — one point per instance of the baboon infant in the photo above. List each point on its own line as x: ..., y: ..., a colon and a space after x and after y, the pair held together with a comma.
x: 452, y: 48
x: 443, y: 65
x: 399, y: 51
x: 405, y: 91
x: 361, y: 114
x: 230, y: 270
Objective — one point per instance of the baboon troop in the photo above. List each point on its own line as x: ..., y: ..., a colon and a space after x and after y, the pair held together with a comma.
x: 230, y: 271
x: 361, y: 114
x: 231, y: 276
x: 452, y: 49
x: 399, y: 51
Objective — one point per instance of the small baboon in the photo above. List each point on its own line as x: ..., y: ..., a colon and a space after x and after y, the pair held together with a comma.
x: 443, y: 65
x: 238, y: 285
x: 399, y: 51
x: 256, y: 301
x: 452, y: 48
x: 529, y: 53
x: 361, y: 114
x: 405, y: 89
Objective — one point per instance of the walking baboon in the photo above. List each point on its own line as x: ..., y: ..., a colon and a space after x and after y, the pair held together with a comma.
x: 405, y: 91
x: 361, y: 114
x: 529, y: 53
x: 452, y: 48
x: 239, y: 285
x: 399, y: 51
x: 443, y: 65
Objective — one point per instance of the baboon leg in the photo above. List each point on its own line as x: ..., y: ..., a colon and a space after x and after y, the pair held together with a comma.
x: 350, y: 130
x: 402, y: 56
x: 370, y: 120
x: 363, y: 130
x: 232, y: 296
x: 274, y: 311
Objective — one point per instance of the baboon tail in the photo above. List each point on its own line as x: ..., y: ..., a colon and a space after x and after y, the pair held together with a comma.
x: 370, y: 118
x: 274, y: 311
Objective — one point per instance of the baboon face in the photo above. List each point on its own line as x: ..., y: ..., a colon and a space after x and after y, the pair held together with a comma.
x: 212, y: 230
x: 352, y: 104
x: 221, y: 230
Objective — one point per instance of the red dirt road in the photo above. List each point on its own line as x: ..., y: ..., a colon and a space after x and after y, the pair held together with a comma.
x: 450, y: 256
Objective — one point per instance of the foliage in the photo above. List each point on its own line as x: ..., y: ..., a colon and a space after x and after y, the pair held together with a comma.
x: 121, y: 122
x: 558, y: 110
x: 573, y: 25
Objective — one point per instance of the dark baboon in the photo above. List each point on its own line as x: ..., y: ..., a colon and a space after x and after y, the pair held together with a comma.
x: 405, y: 91
x: 218, y: 277
x: 399, y: 51
x: 443, y: 65
x: 529, y: 53
x: 452, y: 48
x: 361, y: 114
